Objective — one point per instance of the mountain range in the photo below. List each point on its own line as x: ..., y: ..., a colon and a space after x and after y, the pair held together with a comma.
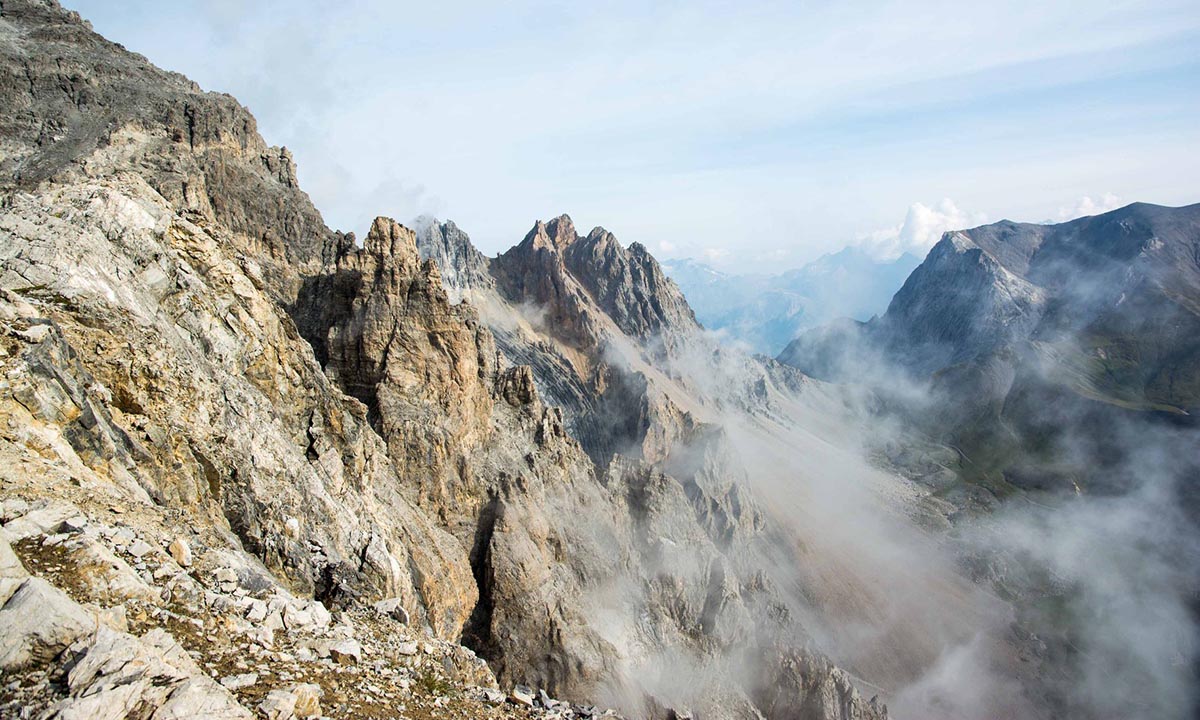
x: 1033, y: 336
x: 252, y: 466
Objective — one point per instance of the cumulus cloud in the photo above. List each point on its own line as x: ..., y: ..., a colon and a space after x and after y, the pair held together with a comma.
x: 922, y: 228
x: 1087, y: 205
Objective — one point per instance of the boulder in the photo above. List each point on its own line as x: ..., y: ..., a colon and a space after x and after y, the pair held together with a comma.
x: 308, y: 700
x: 138, y: 548
x: 13, y: 508
x: 115, y: 675
x: 42, y: 521
x: 37, y: 623
x: 320, y: 616
x: 226, y: 579
x: 393, y: 608
x: 278, y: 705
x: 346, y: 652
x: 237, y: 682
x: 256, y: 612
x: 297, y: 617
x: 200, y: 697
x: 74, y: 524
x: 181, y: 552
x: 10, y: 564
x: 522, y: 695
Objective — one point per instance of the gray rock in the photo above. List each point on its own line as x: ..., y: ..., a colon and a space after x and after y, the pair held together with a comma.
x: 200, y: 697
x: 521, y: 695
x: 34, y: 333
x: 74, y: 524
x: 11, y: 567
x: 297, y: 617
x: 226, y: 579
x: 346, y: 652
x: 37, y: 623
x: 139, y: 548
x: 393, y: 608
x: 256, y: 612
x: 13, y: 508
x: 41, y: 521
x: 123, y: 537
x: 237, y: 682
x: 320, y: 616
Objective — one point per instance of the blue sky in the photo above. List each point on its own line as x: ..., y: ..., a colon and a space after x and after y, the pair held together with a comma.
x: 756, y: 135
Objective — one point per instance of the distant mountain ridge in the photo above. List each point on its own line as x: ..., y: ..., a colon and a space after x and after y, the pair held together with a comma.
x: 765, y: 312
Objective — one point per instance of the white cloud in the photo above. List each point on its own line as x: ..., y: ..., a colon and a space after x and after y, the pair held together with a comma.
x: 922, y: 228
x: 1087, y: 205
x: 713, y: 255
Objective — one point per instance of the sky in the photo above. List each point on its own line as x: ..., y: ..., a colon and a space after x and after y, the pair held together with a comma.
x: 753, y: 135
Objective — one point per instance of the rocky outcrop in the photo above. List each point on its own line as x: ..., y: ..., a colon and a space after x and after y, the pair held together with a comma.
x: 79, y: 106
x: 585, y: 314
x: 132, y: 303
x: 223, y: 641
x: 581, y: 282
x: 630, y: 287
x: 387, y: 334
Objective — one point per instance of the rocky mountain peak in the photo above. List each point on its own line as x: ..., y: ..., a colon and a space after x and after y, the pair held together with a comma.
x: 630, y: 286
x: 465, y: 271
x: 393, y: 243
x: 554, y: 235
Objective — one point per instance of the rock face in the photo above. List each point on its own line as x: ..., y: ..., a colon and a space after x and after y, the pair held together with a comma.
x: 464, y: 269
x: 258, y: 422
x: 81, y: 106
x: 555, y: 269
x: 550, y: 533
x: 1025, y: 334
x: 585, y: 314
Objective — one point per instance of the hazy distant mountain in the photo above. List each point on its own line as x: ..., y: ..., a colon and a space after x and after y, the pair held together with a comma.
x: 765, y: 312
